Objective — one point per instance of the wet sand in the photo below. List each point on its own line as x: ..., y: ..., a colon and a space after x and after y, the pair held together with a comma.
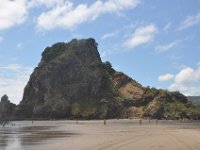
x: 94, y: 135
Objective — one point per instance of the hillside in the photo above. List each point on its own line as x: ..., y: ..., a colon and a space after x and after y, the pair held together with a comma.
x: 195, y: 101
x: 71, y: 81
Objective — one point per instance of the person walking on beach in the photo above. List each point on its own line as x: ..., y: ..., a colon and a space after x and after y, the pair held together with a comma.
x: 104, y: 122
x: 140, y: 121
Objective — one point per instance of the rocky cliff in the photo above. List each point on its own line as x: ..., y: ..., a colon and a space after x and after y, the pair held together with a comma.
x: 71, y: 81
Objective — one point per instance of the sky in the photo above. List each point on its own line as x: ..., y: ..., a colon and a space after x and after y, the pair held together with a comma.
x: 154, y: 42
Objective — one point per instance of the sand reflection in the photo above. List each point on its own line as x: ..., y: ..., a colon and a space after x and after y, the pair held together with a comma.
x: 20, y: 136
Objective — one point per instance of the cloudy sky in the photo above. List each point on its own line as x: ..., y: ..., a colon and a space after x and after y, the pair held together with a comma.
x: 155, y: 42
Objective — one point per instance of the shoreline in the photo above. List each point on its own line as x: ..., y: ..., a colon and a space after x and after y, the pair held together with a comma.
x: 116, y: 134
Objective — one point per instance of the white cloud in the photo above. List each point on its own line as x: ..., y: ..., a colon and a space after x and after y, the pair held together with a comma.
x: 186, y: 81
x: 58, y: 13
x: 188, y: 75
x: 46, y: 3
x: 13, y: 78
x: 190, y: 21
x: 12, y: 12
x: 109, y: 35
x: 15, y: 12
x: 142, y: 35
x: 11, y: 67
x: 165, y: 77
x: 185, y: 89
x: 166, y: 47
x: 67, y: 16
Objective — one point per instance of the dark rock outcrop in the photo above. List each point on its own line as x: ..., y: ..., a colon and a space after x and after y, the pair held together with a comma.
x: 71, y: 81
x: 7, y: 109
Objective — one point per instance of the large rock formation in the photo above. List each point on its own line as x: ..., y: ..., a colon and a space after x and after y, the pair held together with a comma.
x: 71, y: 81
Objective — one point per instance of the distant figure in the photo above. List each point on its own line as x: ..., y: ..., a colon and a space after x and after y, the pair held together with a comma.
x: 4, y: 124
x: 156, y: 121
x: 140, y: 121
x: 149, y: 120
x: 32, y: 121
x: 104, y: 122
x: 180, y: 121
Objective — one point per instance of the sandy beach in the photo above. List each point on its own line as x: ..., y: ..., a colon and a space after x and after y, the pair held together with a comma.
x: 94, y: 135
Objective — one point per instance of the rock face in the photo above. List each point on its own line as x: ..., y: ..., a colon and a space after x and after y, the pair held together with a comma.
x: 7, y: 109
x: 71, y: 81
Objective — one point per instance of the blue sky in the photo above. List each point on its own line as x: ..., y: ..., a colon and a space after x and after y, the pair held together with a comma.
x: 154, y: 42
